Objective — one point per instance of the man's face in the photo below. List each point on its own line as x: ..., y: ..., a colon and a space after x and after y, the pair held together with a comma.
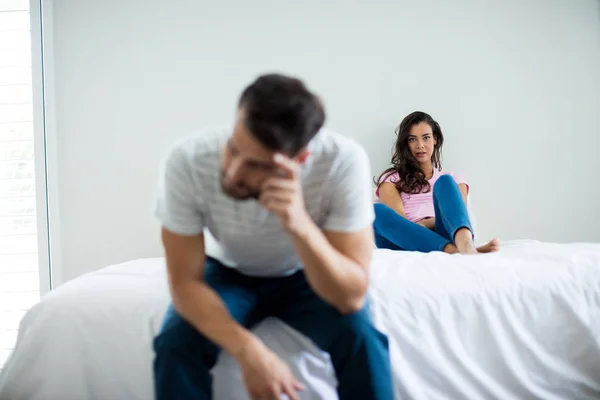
x: 246, y: 164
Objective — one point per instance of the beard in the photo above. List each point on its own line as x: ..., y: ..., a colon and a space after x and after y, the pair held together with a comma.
x: 239, y: 191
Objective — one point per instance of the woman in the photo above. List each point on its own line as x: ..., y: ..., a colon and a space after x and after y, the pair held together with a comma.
x: 423, y: 208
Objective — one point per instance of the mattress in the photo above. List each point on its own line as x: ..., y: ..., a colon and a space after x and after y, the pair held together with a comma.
x: 523, y: 323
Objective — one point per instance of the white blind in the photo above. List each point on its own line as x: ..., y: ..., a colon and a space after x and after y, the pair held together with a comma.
x: 19, y: 279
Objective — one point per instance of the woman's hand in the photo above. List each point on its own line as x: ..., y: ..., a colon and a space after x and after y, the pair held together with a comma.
x: 428, y: 223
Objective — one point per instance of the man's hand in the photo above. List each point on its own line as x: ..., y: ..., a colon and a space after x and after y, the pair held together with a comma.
x: 283, y: 195
x: 265, y: 375
x: 428, y: 223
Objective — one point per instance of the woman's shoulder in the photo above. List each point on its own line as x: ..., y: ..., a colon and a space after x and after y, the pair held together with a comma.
x: 389, y: 176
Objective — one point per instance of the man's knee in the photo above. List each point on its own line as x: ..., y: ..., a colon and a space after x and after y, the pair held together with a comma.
x: 359, y: 326
x: 177, y: 334
x: 183, y: 360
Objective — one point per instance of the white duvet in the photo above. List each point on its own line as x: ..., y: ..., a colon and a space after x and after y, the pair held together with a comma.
x: 520, y: 324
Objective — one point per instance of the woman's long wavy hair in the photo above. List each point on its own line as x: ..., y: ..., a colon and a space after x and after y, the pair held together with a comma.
x: 412, y: 179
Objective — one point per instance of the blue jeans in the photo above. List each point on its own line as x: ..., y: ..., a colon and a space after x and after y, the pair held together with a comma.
x: 393, y: 231
x: 359, y: 352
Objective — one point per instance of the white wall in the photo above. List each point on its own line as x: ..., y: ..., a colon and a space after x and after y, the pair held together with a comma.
x: 515, y: 85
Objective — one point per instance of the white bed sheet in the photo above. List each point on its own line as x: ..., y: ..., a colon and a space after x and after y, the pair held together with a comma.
x: 520, y: 324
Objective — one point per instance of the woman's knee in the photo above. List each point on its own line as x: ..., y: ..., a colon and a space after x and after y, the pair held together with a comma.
x: 445, y: 180
x: 383, y: 215
x: 381, y: 209
x: 446, y: 183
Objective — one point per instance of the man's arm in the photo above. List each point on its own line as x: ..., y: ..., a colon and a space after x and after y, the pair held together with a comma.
x: 265, y: 375
x: 336, y: 265
x: 180, y: 208
x: 464, y: 191
x: 194, y: 300
x: 336, y: 259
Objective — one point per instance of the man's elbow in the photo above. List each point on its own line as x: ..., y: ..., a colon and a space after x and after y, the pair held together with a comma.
x: 355, y: 300
x: 351, y: 306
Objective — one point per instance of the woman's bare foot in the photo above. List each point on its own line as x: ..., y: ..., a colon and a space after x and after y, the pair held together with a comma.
x: 490, y: 247
x: 450, y: 248
x: 463, y: 239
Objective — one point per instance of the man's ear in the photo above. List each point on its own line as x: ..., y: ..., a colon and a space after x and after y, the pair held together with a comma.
x: 302, y: 156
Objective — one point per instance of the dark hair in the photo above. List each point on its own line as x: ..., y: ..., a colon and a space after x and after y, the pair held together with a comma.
x: 412, y: 179
x: 281, y: 112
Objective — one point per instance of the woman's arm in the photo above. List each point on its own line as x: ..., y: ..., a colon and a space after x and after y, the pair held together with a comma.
x: 464, y: 190
x: 388, y: 194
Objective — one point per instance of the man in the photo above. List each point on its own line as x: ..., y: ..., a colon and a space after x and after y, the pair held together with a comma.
x: 290, y: 205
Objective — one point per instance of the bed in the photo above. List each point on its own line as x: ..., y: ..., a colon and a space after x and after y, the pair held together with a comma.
x: 523, y: 323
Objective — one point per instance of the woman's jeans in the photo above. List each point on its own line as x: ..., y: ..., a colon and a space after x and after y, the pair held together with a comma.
x: 392, y: 231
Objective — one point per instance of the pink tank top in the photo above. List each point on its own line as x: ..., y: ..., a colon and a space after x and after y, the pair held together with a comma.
x: 420, y: 206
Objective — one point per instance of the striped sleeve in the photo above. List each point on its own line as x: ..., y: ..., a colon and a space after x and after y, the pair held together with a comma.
x: 391, y: 177
x: 178, y: 204
x: 351, y: 208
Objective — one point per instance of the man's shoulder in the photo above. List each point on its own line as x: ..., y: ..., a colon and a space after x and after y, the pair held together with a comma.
x: 342, y: 157
x: 199, y: 146
x: 333, y: 145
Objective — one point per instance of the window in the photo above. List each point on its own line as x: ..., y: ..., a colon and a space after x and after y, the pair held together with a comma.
x: 19, y: 265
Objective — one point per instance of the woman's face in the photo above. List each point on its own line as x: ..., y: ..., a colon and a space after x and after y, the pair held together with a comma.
x: 421, y: 142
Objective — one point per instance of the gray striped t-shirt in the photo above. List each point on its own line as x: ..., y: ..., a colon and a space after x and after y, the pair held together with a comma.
x: 336, y: 182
